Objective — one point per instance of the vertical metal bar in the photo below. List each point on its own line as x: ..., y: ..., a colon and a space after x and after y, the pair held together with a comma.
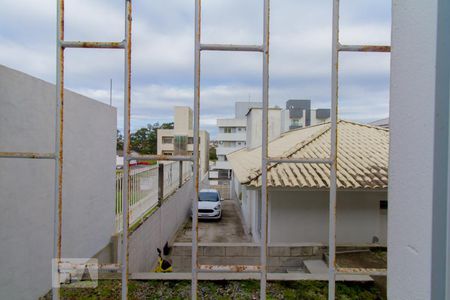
x: 333, y: 172
x: 198, y: 20
x: 264, y: 149
x: 160, y: 184
x: 59, y: 141
x: 126, y: 146
x: 180, y: 175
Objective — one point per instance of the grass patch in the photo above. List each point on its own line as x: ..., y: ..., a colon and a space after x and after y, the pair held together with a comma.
x: 218, y: 290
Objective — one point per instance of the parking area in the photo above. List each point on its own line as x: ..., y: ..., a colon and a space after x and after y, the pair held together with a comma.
x: 228, y: 230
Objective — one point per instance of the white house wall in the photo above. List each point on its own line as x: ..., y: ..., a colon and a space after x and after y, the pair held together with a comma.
x: 303, y: 217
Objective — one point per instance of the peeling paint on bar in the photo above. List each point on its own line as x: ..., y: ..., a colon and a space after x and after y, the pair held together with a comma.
x: 363, y: 48
x: 230, y: 47
x: 94, y: 45
x: 299, y: 160
x: 229, y: 268
x: 126, y: 149
x: 160, y: 158
x: 66, y: 266
x: 32, y: 155
x: 362, y: 271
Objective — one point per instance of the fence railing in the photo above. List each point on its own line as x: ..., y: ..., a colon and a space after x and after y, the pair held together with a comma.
x: 144, y: 188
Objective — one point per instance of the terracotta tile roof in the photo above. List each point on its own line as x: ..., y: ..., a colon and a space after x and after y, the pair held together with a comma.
x: 363, y: 152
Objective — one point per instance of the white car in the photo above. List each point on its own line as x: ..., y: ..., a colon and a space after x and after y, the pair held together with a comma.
x: 209, y: 204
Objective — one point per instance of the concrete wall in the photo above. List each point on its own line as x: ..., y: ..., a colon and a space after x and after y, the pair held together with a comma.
x: 280, y: 257
x: 160, y: 227
x: 27, y: 122
x: 254, y: 126
x: 183, y: 119
x: 418, y: 169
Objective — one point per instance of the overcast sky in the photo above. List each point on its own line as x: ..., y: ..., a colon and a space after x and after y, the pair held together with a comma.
x: 163, y: 53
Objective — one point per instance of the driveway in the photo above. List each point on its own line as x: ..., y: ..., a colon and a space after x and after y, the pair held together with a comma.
x: 228, y: 230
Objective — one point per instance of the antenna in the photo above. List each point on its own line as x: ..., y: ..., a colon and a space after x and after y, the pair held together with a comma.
x: 110, y: 92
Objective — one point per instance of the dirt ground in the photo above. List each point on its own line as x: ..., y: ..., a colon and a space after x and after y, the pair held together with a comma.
x: 375, y: 258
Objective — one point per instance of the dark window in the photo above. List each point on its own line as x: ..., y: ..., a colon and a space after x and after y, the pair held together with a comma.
x: 167, y: 140
x: 383, y: 204
x: 208, y: 196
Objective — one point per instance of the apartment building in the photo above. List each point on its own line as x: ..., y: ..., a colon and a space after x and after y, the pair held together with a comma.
x: 232, y: 134
x: 180, y: 139
x: 298, y: 114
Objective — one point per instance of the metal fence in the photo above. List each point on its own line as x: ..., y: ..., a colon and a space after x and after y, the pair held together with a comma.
x: 144, y: 189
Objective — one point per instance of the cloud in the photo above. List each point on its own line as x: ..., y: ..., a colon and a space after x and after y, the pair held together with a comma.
x: 163, y: 43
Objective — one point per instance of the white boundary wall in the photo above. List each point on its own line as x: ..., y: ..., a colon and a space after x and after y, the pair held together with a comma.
x: 418, y: 256
x: 27, y: 122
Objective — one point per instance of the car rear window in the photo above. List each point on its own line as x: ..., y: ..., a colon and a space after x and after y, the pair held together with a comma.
x: 208, y: 196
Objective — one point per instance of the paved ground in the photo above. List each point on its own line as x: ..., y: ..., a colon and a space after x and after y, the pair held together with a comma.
x: 227, y: 230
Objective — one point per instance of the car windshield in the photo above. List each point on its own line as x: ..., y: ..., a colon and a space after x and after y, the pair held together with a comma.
x: 208, y: 196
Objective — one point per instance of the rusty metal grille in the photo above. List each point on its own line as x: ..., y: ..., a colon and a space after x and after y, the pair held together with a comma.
x: 125, y: 45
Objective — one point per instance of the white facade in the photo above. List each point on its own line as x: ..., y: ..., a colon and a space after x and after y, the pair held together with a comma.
x: 254, y: 126
x: 27, y: 123
x: 232, y: 133
x: 179, y: 140
x: 231, y: 137
x: 419, y: 214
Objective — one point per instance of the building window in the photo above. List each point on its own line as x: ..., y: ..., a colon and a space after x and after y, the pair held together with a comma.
x: 167, y: 140
x: 383, y: 204
x: 191, y: 140
x: 227, y: 130
x: 167, y: 153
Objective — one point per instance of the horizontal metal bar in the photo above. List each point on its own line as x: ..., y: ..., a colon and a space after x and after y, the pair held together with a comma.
x: 160, y: 158
x: 245, y: 276
x: 66, y: 266
x: 229, y: 268
x: 299, y: 160
x: 362, y: 271
x: 230, y: 47
x: 363, y: 48
x: 94, y: 45
x: 32, y: 155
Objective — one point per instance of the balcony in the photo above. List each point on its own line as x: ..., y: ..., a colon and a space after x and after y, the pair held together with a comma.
x: 229, y: 137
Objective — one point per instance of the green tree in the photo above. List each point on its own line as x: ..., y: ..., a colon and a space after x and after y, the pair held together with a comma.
x: 212, y: 153
x: 119, y: 141
x: 144, y: 140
